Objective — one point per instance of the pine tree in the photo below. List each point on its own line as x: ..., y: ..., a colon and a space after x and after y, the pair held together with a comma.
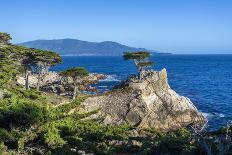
x: 78, y: 75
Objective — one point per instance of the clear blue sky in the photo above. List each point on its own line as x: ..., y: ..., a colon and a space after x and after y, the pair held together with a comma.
x: 178, y: 26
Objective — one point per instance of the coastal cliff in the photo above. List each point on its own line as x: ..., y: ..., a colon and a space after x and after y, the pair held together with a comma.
x: 149, y: 103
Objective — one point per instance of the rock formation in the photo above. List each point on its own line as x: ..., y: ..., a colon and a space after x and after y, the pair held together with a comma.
x: 53, y: 82
x: 149, y: 103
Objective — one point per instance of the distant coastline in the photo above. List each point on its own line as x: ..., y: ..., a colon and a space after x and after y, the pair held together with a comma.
x: 89, y: 55
x: 74, y: 47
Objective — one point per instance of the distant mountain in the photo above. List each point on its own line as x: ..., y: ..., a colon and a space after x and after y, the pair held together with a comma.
x: 79, y: 47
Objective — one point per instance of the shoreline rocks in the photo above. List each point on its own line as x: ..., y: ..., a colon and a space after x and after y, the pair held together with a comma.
x: 53, y: 82
x: 149, y: 103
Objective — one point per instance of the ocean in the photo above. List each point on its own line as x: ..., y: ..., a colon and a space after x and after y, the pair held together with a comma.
x: 205, y: 79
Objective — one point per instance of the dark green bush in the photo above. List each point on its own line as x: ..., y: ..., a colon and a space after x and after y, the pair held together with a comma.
x: 22, y: 114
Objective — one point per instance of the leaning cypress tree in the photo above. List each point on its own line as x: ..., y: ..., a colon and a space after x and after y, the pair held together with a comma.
x: 141, y: 60
x: 78, y: 75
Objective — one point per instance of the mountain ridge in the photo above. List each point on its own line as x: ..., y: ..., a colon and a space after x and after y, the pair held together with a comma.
x: 75, y: 47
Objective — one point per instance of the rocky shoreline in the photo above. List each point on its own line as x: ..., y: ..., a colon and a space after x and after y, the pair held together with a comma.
x: 149, y: 103
x: 54, y: 82
x: 46, y: 112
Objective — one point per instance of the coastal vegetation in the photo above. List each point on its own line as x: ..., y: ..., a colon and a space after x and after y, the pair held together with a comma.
x: 78, y: 75
x: 30, y: 124
x: 38, y: 61
x: 5, y: 38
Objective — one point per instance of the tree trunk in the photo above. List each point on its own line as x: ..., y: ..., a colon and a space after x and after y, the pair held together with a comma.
x: 38, y: 82
x: 138, y: 69
x: 26, y: 80
x: 140, y: 73
x: 74, y: 92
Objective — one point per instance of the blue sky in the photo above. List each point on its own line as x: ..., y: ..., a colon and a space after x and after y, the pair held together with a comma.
x: 177, y: 26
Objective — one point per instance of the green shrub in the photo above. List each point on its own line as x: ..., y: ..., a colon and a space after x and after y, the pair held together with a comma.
x: 22, y: 114
x: 3, y: 148
x: 52, y: 138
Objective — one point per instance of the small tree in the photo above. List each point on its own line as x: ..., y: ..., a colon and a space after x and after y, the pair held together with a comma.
x: 43, y: 60
x: 78, y: 75
x: 27, y: 63
x: 5, y: 38
x: 141, y: 60
x: 37, y: 61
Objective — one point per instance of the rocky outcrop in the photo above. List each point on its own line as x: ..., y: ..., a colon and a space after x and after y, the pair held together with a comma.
x: 49, y: 78
x: 149, y: 103
x: 53, y: 82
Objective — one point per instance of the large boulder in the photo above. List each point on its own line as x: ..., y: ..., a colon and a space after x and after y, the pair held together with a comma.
x: 149, y: 103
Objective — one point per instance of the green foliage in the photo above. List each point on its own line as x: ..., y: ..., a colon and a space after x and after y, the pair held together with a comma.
x: 81, y: 133
x: 45, y: 57
x: 32, y: 94
x: 33, y: 55
x: 141, y: 60
x: 3, y: 148
x: 22, y: 114
x: 175, y: 142
x: 136, y: 55
x: 11, y: 56
x: 7, y: 70
x: 5, y: 38
x: 75, y: 72
x: 5, y: 135
x: 62, y: 111
x: 52, y: 137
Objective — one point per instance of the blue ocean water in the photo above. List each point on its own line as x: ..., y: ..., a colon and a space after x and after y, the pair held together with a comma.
x: 205, y: 79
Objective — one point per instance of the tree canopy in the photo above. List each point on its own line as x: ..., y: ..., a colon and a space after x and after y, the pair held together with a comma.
x: 5, y: 38
x: 75, y: 72
x: 47, y: 57
x: 136, y: 55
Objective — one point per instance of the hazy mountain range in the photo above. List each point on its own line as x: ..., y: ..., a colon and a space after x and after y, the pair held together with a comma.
x: 84, y: 48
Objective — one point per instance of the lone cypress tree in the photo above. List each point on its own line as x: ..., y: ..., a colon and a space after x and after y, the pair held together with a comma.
x: 141, y: 60
x: 78, y: 75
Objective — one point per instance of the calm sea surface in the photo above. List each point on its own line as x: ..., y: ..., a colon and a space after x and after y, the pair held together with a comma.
x: 205, y: 79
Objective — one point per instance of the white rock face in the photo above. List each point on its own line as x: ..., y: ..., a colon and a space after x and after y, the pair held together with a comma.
x: 50, y: 77
x: 54, y: 77
x: 150, y: 103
